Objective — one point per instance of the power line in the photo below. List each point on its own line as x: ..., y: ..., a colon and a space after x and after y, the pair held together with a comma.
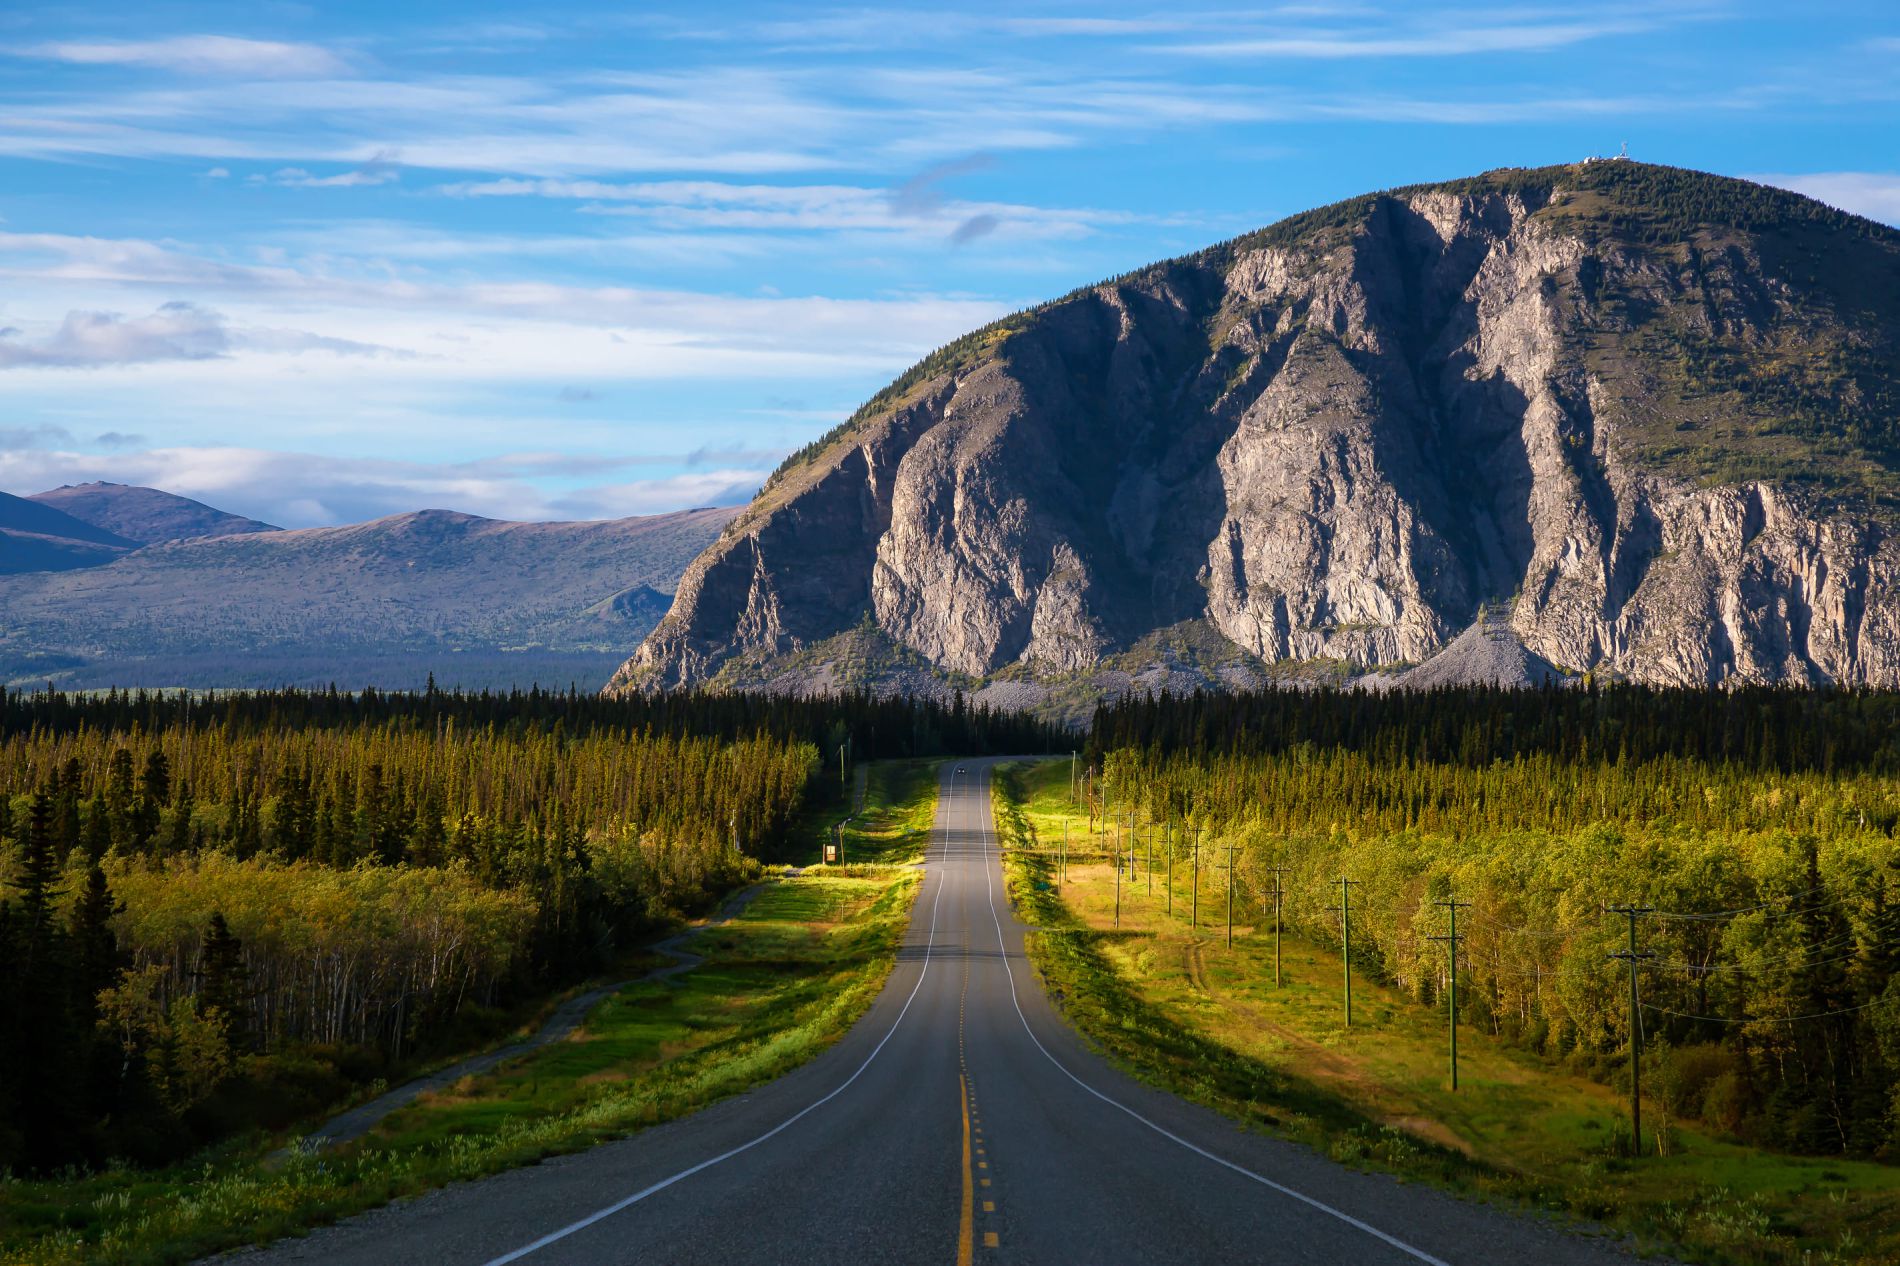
x: 1764, y: 1019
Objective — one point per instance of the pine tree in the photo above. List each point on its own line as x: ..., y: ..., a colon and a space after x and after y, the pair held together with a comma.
x: 38, y: 877
x: 428, y: 842
x: 156, y: 781
x: 179, y: 840
x: 224, y: 983
x: 96, y: 958
x: 47, y: 1051
x: 96, y: 835
x: 67, y: 790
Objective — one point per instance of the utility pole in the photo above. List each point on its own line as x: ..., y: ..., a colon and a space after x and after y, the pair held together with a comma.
x: 1072, y: 756
x: 1151, y: 859
x: 1231, y: 849
x: 1632, y: 956
x: 1345, y: 938
x: 1451, y: 977
x: 1278, y: 871
x: 1118, y: 887
x: 1194, y: 919
x: 1167, y: 845
x: 844, y: 777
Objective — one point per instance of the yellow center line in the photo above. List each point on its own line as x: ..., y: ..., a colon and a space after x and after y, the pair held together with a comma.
x: 966, y: 1227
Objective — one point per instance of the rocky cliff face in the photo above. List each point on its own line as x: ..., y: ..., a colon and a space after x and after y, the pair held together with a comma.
x: 1648, y: 414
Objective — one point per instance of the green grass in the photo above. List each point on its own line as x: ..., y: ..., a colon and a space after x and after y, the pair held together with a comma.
x: 779, y: 984
x: 1175, y: 1006
x: 892, y: 829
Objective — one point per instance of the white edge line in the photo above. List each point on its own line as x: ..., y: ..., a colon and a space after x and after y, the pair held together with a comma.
x: 983, y: 822
x: 627, y: 1202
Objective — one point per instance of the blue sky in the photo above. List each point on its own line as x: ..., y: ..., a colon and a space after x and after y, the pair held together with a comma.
x: 321, y: 262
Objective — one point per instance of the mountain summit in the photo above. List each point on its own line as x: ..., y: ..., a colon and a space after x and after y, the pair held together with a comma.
x: 1650, y: 417
x: 145, y: 515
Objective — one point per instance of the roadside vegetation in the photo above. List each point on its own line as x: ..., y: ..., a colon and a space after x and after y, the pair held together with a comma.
x: 777, y: 984
x: 1533, y: 1122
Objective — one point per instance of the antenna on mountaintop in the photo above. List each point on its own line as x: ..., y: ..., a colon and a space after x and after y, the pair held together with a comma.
x: 1625, y: 152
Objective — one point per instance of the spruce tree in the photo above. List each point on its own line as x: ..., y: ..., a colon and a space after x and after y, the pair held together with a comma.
x: 96, y: 835
x: 224, y: 983
x: 48, y: 1052
x: 156, y: 781
x: 97, y: 960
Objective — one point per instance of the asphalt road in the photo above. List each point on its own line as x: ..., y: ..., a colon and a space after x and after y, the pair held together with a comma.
x: 961, y: 1120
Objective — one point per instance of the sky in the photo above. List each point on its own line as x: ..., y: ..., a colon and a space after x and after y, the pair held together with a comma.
x: 319, y: 263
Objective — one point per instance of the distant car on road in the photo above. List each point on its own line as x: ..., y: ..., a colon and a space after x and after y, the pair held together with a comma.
x: 959, y: 769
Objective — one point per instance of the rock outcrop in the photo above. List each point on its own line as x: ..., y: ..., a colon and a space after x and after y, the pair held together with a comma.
x: 1650, y: 415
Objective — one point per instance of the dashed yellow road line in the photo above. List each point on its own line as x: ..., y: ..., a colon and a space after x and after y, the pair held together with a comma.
x: 966, y: 1226
x: 966, y: 1223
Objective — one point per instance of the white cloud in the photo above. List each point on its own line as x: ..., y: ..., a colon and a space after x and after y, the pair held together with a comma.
x: 380, y: 170
x: 1874, y: 194
x: 199, y: 55
x: 489, y: 329
x: 177, y: 331
x: 295, y: 489
x: 1532, y: 37
x: 916, y: 205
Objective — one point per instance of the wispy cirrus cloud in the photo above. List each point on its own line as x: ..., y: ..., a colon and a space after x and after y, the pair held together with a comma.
x: 221, y: 55
x: 460, y: 329
x: 916, y: 205
x: 379, y: 170
x: 176, y: 331
x: 1462, y: 40
x: 47, y: 436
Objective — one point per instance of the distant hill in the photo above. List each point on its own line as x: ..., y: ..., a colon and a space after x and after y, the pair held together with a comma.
x: 145, y: 515
x: 36, y: 537
x: 477, y: 602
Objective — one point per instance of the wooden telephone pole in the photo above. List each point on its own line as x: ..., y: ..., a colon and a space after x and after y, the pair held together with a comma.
x: 1231, y: 874
x: 1278, y: 873
x: 1632, y: 956
x: 1451, y: 976
x: 1345, y: 938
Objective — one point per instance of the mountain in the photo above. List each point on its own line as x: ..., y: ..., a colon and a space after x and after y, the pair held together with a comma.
x: 476, y: 602
x: 145, y: 515
x: 36, y: 537
x: 1650, y: 415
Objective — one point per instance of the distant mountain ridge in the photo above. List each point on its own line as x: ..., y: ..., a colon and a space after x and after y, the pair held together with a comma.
x: 37, y: 537
x: 145, y: 515
x: 475, y: 602
x: 1652, y: 415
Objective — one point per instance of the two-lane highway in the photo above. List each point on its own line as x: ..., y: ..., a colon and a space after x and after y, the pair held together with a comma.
x: 960, y: 1120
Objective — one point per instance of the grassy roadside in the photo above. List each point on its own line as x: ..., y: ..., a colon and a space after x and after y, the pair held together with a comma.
x: 1176, y: 1007
x: 900, y: 804
x: 779, y: 984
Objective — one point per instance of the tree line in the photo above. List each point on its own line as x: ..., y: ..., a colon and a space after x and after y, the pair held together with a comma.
x: 876, y: 726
